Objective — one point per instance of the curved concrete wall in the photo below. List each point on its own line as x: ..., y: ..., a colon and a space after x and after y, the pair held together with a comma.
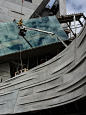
x: 59, y: 81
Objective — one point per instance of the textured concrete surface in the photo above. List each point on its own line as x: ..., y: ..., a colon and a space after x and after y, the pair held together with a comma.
x: 56, y: 82
x: 62, y: 7
x: 11, y: 9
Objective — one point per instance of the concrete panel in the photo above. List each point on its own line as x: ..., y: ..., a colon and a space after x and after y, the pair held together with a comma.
x: 25, y: 4
x: 27, y: 11
x: 1, y: 2
x: 13, y: 14
x: 8, y: 102
x: 3, y: 10
x: 12, y: 9
x: 5, y: 18
x: 37, y: 1
x: 62, y: 5
x: 11, y: 6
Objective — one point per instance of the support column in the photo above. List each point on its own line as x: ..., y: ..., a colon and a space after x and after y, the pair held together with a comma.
x: 46, y: 57
x: 28, y: 64
x: 80, y: 23
x: 37, y: 60
x: 75, y: 24
x: 62, y: 7
x: 70, y: 31
x: 17, y: 66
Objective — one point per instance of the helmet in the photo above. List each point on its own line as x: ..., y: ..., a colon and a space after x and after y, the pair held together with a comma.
x: 20, y: 19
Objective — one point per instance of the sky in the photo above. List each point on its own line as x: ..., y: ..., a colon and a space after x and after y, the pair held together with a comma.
x: 73, y: 6
x: 50, y: 4
x: 76, y: 6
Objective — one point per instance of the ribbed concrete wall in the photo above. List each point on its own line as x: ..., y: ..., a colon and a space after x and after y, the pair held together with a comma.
x: 59, y: 81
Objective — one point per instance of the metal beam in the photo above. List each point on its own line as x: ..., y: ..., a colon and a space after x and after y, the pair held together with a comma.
x: 27, y: 41
x: 69, y: 26
x: 69, y: 18
x: 80, y: 23
x: 47, y: 33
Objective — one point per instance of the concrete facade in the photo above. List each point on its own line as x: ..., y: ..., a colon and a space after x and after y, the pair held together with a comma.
x: 62, y: 7
x: 13, y: 9
x: 56, y: 82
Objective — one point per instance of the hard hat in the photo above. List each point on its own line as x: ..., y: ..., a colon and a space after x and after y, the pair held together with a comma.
x: 20, y: 19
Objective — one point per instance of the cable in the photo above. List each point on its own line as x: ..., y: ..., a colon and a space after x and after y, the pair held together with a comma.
x: 20, y: 52
x: 21, y: 7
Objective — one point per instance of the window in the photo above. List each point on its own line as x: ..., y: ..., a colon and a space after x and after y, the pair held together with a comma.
x: 28, y: 0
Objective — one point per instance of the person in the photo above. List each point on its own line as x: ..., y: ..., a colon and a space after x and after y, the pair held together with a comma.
x: 19, y: 23
x: 21, y: 27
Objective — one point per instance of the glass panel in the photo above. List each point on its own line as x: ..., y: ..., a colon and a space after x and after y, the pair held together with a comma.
x: 13, y: 30
x: 1, y: 51
x: 11, y: 42
x: 8, y: 47
x: 57, y: 28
